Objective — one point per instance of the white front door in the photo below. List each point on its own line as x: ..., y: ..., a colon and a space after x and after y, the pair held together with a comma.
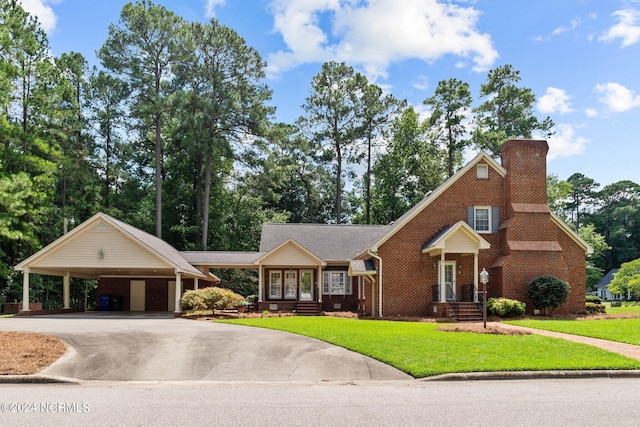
x: 290, y: 284
x: 306, y: 285
x: 137, y: 294
x: 450, y: 279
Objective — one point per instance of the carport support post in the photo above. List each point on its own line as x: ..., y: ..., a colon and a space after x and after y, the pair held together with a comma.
x: 178, y: 308
x: 25, y: 290
x: 65, y: 291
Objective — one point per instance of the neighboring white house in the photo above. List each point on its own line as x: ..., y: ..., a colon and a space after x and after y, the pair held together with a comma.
x: 602, y: 288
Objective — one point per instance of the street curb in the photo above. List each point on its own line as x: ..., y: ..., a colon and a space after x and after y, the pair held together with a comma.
x: 36, y: 379
x: 532, y: 375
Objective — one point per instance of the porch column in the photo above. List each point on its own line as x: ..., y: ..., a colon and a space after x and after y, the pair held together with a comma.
x: 195, y: 283
x: 443, y: 288
x: 260, y: 284
x: 25, y: 289
x: 475, y: 277
x: 66, y: 291
x: 320, y: 284
x: 178, y: 307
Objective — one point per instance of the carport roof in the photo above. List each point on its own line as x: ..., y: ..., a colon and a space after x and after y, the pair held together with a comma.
x: 168, y: 257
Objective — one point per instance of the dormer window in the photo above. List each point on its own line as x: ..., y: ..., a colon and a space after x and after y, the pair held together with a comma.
x: 482, y: 171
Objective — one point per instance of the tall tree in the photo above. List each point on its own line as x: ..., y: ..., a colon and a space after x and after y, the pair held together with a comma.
x: 332, y: 118
x: 409, y: 169
x: 377, y: 113
x: 583, y: 190
x: 450, y: 106
x: 223, y: 90
x: 507, y: 111
x: 107, y: 113
x: 142, y: 49
x: 557, y: 195
x: 617, y: 217
x: 287, y: 176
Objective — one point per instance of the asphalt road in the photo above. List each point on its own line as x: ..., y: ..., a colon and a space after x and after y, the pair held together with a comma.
x: 566, y: 402
x: 158, y: 347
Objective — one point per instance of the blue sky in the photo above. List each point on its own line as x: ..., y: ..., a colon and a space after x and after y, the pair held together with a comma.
x: 580, y: 57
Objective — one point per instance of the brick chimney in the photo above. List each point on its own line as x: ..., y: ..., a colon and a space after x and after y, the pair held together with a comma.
x: 526, y: 163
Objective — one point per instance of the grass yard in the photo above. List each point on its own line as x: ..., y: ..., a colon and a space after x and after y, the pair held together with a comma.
x: 622, y: 330
x: 421, y: 351
x: 623, y: 310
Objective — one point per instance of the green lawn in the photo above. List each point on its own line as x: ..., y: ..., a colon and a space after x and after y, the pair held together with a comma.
x: 622, y: 330
x: 420, y: 350
x: 622, y: 310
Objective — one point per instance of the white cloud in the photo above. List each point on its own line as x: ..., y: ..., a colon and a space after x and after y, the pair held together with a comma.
x: 376, y: 33
x: 421, y: 82
x: 555, y: 101
x: 563, y: 29
x: 616, y: 97
x: 210, y: 6
x: 565, y: 142
x: 627, y: 29
x: 44, y: 13
x: 591, y: 112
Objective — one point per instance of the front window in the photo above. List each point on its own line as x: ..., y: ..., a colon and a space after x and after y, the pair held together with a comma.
x: 275, y: 284
x: 290, y: 284
x: 482, y: 217
x: 336, y: 283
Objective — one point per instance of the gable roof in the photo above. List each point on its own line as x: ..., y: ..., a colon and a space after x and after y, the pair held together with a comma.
x: 604, y: 282
x: 298, y: 250
x: 329, y: 242
x: 430, y: 197
x: 460, y: 230
x: 152, y: 245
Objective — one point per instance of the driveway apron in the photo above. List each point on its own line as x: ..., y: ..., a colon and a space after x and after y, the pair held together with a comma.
x: 158, y: 347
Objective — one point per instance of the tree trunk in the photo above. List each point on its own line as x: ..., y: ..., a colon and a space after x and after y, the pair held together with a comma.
x: 338, y: 184
x: 205, y: 201
x: 158, y: 154
x: 367, y: 180
x: 197, y: 185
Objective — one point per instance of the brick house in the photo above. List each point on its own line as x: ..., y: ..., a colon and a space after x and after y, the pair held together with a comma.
x: 486, y: 216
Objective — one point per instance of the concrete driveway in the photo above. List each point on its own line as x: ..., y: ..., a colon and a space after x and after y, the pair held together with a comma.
x: 158, y: 347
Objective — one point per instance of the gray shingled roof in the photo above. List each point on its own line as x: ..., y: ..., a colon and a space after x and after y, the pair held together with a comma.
x: 604, y: 282
x: 330, y: 242
x: 214, y: 258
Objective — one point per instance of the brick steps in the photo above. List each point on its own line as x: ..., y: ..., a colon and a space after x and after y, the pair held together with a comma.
x: 465, y: 312
x: 307, y: 308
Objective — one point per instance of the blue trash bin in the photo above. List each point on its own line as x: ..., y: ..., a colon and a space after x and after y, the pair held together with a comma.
x: 103, y: 302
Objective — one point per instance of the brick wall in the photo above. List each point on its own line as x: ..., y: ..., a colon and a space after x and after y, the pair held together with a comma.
x: 408, y: 274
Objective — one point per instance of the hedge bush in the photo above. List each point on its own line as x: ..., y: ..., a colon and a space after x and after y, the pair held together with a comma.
x: 211, y: 299
x: 593, y: 308
x: 594, y: 299
x: 547, y: 292
x: 505, y: 307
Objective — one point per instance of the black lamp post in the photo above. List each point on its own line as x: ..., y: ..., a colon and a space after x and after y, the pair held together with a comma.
x: 484, y: 278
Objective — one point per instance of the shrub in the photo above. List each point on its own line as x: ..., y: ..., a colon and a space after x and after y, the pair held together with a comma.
x: 594, y: 299
x: 548, y: 292
x: 211, y: 299
x: 593, y: 308
x: 505, y: 307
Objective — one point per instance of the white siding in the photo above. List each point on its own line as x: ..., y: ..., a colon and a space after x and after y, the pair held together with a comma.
x: 289, y: 255
x: 119, y: 251
x: 461, y: 242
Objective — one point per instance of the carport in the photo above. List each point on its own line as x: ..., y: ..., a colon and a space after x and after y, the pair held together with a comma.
x: 105, y: 248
